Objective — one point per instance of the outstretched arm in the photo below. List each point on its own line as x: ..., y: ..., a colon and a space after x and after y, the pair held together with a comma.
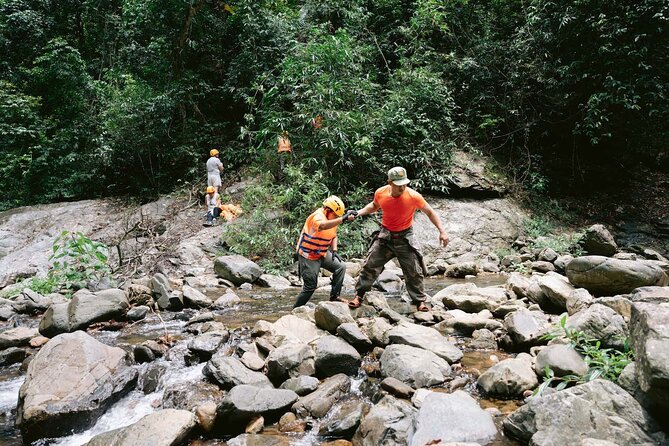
x: 434, y: 218
x: 368, y: 209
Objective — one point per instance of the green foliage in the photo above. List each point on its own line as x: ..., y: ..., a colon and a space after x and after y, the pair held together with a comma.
x: 76, y: 261
x: 276, y: 214
x: 606, y: 363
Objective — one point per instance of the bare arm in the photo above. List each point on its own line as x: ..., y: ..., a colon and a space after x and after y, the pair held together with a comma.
x: 334, y: 244
x: 434, y: 218
x: 368, y: 209
x: 330, y: 223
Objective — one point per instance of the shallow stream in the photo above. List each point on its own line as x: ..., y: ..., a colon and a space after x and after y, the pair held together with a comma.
x: 256, y: 304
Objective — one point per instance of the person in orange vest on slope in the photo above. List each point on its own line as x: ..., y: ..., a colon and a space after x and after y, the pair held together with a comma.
x: 212, y: 202
x: 317, y: 248
x: 214, y: 169
x: 395, y: 238
x: 284, y: 149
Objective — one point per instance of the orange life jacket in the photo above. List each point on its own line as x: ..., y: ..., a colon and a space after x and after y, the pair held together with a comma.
x: 314, y: 244
x: 284, y: 145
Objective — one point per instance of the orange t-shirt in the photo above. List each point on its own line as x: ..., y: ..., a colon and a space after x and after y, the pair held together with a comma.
x: 314, y: 244
x: 398, y: 212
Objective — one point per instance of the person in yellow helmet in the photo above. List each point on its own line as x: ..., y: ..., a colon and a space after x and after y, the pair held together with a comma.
x: 284, y: 149
x: 214, y: 169
x: 212, y: 202
x: 317, y: 248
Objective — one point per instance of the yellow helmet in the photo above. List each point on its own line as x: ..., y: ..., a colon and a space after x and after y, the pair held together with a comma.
x: 213, y: 152
x: 211, y: 190
x: 335, y: 204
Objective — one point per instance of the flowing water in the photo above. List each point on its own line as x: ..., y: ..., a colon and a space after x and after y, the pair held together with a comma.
x: 256, y: 304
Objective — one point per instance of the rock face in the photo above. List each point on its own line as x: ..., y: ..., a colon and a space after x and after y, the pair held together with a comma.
x: 598, y: 241
x: 387, y: 423
x: 454, y: 417
x: 414, y: 366
x: 649, y: 334
x: 237, y: 269
x: 82, y: 310
x: 163, y: 428
x: 91, y: 376
x: 607, y: 276
x: 598, y: 409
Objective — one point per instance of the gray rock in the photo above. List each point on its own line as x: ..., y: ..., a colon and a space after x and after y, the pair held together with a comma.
x: 237, y: 269
x: 82, y: 310
x: 454, y: 417
x: 388, y: 281
x: 139, y: 294
x: 297, y: 328
x: 650, y: 294
x: 387, y: 423
x: 291, y: 359
x: 608, y: 277
x: 351, y: 333
x: 163, y: 428
x: 229, y: 372
x: 244, y: 402
x: 149, y: 378
x: 228, y: 299
x: 562, y: 261
x: 137, y: 313
x: 426, y: 338
x: 344, y: 422
x: 274, y: 282
x: 30, y: 302
x: 195, y: 299
x: 600, y: 322
x: 259, y: 440
x: 397, y: 388
x: 162, y: 291
x: 334, y: 355
x: 483, y: 340
x: 91, y: 376
x: 649, y: 336
x: 562, y: 359
x: 525, y: 328
x: 461, y: 269
x: 459, y: 322
x: 510, y: 377
x: 579, y: 300
x: 190, y: 395
x: 547, y: 255
x: 557, y: 289
x: 6, y: 312
x: 12, y: 355
x: 319, y: 402
x: 377, y: 329
x: 542, y: 267
x: 330, y: 315
x: 253, y: 361
x: 17, y: 337
x: 598, y: 241
x: 414, y: 366
x: 603, y: 410
x: 302, y: 385
x: 619, y: 304
x: 509, y: 307
x: 205, y: 345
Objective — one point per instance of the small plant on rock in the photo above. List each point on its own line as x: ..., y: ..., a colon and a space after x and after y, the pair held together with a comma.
x: 606, y: 363
x: 77, y: 260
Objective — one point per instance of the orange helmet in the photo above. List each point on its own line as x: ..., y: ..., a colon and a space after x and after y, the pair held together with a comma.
x: 335, y: 204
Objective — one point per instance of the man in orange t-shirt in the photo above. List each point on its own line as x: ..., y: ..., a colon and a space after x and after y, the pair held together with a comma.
x: 395, y: 239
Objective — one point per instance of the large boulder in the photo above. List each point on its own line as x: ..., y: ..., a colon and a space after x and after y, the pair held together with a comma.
x: 600, y: 322
x: 649, y: 335
x: 607, y: 276
x: 598, y: 241
x: 82, y: 310
x: 510, y: 377
x: 163, y: 428
x: 237, y: 269
x: 242, y: 403
x: 334, y: 355
x: 455, y: 417
x: 557, y: 290
x: 598, y: 409
x: 389, y: 422
x: 426, y: 338
x: 91, y: 376
x: 414, y: 366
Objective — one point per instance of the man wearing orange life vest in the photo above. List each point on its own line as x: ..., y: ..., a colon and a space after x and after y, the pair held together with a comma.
x: 317, y: 248
x: 395, y: 239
